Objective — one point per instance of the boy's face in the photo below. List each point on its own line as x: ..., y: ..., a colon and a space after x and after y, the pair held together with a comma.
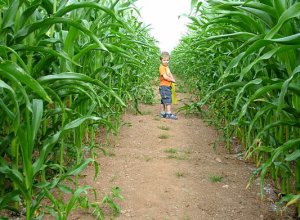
x: 165, y: 61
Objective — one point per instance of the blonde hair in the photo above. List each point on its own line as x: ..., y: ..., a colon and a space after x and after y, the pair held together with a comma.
x: 164, y: 54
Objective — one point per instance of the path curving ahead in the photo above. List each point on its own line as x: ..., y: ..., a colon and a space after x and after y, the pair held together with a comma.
x: 168, y: 169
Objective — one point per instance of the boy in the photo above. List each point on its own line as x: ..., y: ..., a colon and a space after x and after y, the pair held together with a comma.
x: 166, y: 79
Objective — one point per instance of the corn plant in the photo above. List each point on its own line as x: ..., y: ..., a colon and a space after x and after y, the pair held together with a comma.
x: 67, y: 68
x: 242, y: 58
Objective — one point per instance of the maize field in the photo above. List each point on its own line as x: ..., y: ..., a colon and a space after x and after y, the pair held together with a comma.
x: 242, y: 59
x: 69, y: 69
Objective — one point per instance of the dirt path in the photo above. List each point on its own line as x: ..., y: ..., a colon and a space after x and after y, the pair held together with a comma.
x: 168, y: 169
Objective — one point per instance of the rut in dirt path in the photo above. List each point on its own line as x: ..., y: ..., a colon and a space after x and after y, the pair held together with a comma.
x: 168, y: 169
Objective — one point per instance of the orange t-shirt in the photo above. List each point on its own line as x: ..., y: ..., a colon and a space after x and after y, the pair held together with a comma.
x: 164, y: 70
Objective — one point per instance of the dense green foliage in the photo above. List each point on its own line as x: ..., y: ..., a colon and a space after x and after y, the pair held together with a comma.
x: 67, y: 68
x: 242, y: 58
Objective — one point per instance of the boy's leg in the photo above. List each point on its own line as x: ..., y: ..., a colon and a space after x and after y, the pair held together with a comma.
x: 169, y: 113
x: 168, y: 109
x: 166, y: 101
x: 162, y: 110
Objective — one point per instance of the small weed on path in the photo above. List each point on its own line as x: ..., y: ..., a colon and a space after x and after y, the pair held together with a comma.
x: 177, y: 157
x: 180, y: 174
x: 128, y: 124
x: 215, y: 178
x: 164, y: 127
x: 170, y: 151
x: 163, y: 136
x: 174, y: 154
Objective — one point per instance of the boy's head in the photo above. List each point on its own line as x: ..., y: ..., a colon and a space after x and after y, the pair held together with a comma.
x: 164, y: 58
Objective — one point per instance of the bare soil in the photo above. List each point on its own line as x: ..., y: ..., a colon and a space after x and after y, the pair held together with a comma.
x: 168, y: 169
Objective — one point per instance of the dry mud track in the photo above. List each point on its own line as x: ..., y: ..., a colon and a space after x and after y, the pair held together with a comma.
x: 168, y: 169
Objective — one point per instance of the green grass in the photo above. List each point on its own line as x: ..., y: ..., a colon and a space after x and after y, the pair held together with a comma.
x: 164, y: 127
x: 215, y: 178
x: 177, y: 157
x: 175, y: 154
x: 128, y: 124
x: 163, y: 136
x: 180, y: 174
x: 170, y: 151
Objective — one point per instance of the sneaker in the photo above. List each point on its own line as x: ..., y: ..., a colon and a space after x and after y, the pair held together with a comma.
x: 162, y: 115
x: 171, y: 116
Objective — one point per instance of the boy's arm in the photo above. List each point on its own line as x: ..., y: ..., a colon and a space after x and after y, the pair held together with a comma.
x: 164, y: 74
x: 172, y: 77
x: 166, y: 77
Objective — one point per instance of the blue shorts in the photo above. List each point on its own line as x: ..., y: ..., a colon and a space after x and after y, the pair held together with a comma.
x: 166, y: 95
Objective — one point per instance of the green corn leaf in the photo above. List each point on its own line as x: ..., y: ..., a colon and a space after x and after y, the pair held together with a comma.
x: 8, y: 67
x: 293, y: 11
x: 266, y: 149
x: 84, y: 51
x: 28, y: 13
x: 276, y: 124
x: 50, y: 142
x: 266, y: 56
x: 193, y: 3
x: 262, y: 6
x: 289, y: 40
x: 75, y: 197
x: 6, y: 110
x: 235, y: 61
x: 9, y: 198
x: 268, y: 107
x: 69, y: 42
x: 65, y: 188
x: 24, y: 136
x: 46, y: 149
x: 26, y: 31
x: 69, y: 87
x: 78, y: 5
x: 79, y: 168
x: 116, y: 193
x: 284, y: 89
x: 283, y: 149
x: 23, y: 65
x: 81, y: 77
x: 45, y: 50
x: 19, y: 87
x: 258, y: 94
x: 262, y: 15
x: 79, y: 121
x: 10, y: 15
x: 37, y: 114
x: 293, y: 156
x: 14, y: 117
x: 254, y: 82
x: 15, y: 176
x: 237, y: 35
x: 293, y: 200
